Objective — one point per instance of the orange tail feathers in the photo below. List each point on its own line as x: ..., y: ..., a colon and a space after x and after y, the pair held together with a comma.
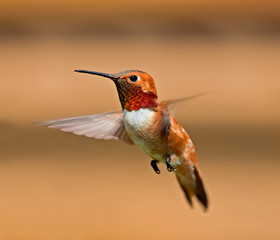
x: 193, y: 187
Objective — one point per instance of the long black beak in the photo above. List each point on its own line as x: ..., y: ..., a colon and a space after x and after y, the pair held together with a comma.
x: 107, y: 75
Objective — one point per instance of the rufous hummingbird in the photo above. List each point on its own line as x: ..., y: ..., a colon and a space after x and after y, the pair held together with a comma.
x: 147, y: 123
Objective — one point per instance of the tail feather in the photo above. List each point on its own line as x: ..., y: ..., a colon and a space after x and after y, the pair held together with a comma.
x: 200, y: 192
x: 192, y: 187
x: 186, y: 191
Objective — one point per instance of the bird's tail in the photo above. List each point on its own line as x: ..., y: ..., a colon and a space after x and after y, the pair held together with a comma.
x: 191, y: 183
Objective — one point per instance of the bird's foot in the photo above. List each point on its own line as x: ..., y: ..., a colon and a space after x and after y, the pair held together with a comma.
x: 154, y: 166
x: 170, y: 168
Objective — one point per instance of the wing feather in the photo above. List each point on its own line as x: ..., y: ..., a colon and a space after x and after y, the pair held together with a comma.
x: 106, y: 126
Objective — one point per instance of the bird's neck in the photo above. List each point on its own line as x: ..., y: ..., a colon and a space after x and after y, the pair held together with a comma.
x: 134, y: 98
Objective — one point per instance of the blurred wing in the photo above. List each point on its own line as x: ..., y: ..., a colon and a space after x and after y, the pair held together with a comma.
x: 105, y: 126
x: 171, y: 104
x: 179, y: 100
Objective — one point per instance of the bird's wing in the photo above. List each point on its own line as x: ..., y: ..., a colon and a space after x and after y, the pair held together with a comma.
x: 105, y: 126
x: 172, y: 104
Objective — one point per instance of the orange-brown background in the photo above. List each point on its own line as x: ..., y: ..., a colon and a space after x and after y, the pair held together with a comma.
x: 55, y: 185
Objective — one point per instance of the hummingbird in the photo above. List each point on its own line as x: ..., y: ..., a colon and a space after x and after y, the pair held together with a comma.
x: 147, y: 123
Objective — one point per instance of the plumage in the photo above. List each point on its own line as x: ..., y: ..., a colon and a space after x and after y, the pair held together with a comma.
x: 149, y: 124
x: 105, y: 126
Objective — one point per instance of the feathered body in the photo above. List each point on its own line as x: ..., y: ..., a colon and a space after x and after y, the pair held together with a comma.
x: 147, y: 123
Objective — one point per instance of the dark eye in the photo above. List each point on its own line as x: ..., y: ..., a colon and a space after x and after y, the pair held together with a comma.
x: 133, y: 78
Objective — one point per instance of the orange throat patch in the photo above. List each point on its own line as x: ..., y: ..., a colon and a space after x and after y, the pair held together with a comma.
x: 133, y: 98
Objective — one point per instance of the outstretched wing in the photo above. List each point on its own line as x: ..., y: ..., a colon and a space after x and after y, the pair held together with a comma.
x: 105, y: 126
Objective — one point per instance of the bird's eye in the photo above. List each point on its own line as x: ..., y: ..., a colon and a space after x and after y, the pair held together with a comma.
x: 133, y: 78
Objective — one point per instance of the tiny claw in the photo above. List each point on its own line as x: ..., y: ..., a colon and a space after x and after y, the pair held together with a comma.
x: 169, y: 166
x: 154, y: 166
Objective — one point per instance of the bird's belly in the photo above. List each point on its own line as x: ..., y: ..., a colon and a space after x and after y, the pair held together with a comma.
x: 141, y: 127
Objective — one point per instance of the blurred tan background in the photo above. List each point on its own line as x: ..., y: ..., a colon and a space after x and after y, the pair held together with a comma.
x: 56, y: 185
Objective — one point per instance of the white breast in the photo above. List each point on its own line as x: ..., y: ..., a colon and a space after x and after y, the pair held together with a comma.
x: 137, y: 124
x: 136, y: 120
x: 140, y: 128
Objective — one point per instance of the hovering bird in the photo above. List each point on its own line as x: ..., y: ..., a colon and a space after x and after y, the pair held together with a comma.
x: 147, y: 123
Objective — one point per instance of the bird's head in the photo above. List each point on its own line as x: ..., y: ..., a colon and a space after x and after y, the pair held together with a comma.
x: 136, y: 88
